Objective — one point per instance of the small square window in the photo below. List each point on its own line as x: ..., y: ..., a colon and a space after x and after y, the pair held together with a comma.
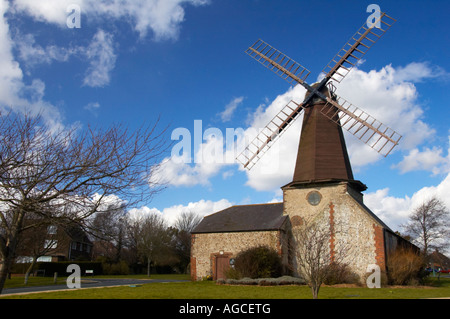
x: 50, y: 244
x: 51, y: 230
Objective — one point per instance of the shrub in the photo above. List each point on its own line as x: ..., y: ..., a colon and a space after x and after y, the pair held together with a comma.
x: 233, y: 273
x: 61, y: 267
x: 257, y: 262
x: 404, y: 267
x: 120, y: 268
x: 284, y: 280
x: 337, y: 273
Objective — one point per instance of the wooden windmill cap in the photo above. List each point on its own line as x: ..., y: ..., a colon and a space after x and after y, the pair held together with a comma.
x: 325, y: 91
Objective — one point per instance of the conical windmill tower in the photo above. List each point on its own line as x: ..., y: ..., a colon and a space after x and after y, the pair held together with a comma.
x: 323, y: 183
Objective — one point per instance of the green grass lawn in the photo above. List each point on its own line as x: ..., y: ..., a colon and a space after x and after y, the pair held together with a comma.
x: 15, y: 282
x: 209, y: 290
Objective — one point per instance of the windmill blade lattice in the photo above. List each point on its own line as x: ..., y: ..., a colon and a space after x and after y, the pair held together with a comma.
x: 278, y: 62
x: 369, y: 130
x: 356, y: 48
x: 271, y: 132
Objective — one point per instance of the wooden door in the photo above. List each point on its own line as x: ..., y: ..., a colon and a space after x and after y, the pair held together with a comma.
x: 222, y: 265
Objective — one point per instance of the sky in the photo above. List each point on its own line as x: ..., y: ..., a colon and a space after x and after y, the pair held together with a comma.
x: 100, y: 63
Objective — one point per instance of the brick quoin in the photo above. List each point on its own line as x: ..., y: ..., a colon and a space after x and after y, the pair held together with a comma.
x: 193, y: 260
x: 332, y: 242
x: 193, y: 268
x: 379, y: 247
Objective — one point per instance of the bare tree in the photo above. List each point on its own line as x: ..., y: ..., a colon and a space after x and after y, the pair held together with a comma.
x: 184, y: 225
x: 107, y: 229
x: 429, y: 225
x: 152, y: 238
x: 69, y: 174
x: 315, y: 255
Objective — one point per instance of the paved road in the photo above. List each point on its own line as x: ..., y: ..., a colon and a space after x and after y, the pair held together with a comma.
x: 86, y: 283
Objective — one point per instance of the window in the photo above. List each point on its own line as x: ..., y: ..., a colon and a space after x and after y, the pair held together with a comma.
x: 45, y: 259
x: 51, y: 230
x: 50, y: 244
x: 74, y: 245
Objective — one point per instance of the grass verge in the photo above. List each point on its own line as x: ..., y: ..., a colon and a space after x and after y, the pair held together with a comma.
x: 209, y: 290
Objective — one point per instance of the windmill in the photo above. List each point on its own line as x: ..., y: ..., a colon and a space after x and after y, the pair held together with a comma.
x: 322, y: 95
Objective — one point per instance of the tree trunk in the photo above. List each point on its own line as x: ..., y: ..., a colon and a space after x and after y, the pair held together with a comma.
x: 8, y: 248
x: 30, y: 269
x: 5, y: 267
x: 315, y: 291
x: 148, y: 267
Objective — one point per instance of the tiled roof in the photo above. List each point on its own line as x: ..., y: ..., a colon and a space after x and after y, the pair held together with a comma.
x: 244, y: 218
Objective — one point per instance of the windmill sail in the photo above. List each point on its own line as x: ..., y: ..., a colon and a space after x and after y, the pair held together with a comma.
x: 262, y: 142
x: 369, y: 130
x: 356, y: 48
x: 362, y: 125
x: 278, y: 62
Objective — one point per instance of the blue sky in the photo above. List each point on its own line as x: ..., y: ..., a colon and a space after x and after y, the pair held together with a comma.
x: 183, y: 60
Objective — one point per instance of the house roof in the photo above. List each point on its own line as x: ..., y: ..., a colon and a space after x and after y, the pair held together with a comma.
x: 240, y: 218
x: 439, y: 258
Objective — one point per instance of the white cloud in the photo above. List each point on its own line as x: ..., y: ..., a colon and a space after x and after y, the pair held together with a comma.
x: 180, y: 170
x: 92, y: 106
x: 230, y: 108
x: 390, y: 96
x: 11, y: 74
x: 31, y: 53
x: 16, y: 95
x: 53, y: 11
x: 202, y: 208
x: 395, y: 211
x: 161, y: 17
x: 417, y: 72
x: 102, y: 60
x: 427, y: 160
x: 99, y: 53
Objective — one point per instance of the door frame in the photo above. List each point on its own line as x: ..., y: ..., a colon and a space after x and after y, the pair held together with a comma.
x: 214, y: 257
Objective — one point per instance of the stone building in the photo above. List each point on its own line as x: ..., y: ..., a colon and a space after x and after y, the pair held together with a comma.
x: 323, y: 188
x: 221, y: 236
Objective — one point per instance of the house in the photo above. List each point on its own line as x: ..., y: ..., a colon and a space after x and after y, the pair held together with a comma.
x: 323, y: 188
x: 438, y: 261
x: 52, y: 243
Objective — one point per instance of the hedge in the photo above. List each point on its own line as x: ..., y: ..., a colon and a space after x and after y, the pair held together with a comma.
x: 49, y: 268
